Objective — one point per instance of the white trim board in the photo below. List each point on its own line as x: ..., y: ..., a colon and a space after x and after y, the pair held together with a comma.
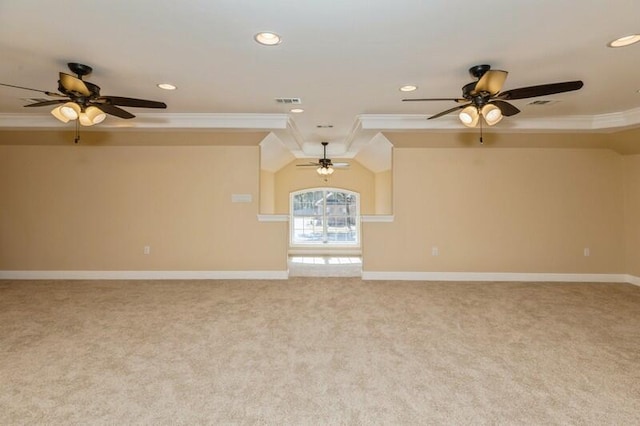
x: 373, y: 218
x: 273, y: 218
x: 283, y: 275
x: 498, y: 276
x: 633, y: 280
x: 144, y: 275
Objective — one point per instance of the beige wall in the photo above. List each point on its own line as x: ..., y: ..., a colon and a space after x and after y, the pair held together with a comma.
x: 384, y: 192
x: 501, y: 210
x: 355, y: 178
x: 267, y: 192
x: 632, y: 213
x: 95, y: 208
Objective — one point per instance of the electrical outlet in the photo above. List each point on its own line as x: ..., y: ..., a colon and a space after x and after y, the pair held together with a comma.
x: 147, y: 250
x: 435, y: 251
x: 587, y: 252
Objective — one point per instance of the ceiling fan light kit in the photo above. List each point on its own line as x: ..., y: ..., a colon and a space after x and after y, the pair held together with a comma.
x: 72, y: 111
x: 325, y: 170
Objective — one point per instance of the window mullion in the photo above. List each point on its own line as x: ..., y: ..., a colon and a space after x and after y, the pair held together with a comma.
x: 325, y: 219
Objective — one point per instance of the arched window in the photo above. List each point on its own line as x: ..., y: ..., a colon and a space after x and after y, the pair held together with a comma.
x: 325, y: 216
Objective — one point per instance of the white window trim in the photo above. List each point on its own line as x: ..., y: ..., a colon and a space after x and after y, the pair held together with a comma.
x: 320, y: 246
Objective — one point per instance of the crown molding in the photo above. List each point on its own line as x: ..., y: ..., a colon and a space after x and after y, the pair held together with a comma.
x: 290, y: 136
x: 364, y: 122
x: 150, y: 121
x: 582, y: 123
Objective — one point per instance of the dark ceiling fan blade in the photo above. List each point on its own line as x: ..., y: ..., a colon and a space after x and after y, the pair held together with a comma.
x: 47, y: 103
x: 448, y: 111
x: 541, y: 90
x: 436, y: 99
x: 131, y: 102
x: 491, y: 82
x: 114, y: 110
x: 507, y: 109
x: 93, y: 88
x: 71, y: 84
x: 34, y: 90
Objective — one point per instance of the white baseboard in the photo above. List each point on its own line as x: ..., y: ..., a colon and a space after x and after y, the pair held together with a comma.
x: 283, y: 275
x: 633, y: 280
x: 144, y: 275
x: 495, y: 276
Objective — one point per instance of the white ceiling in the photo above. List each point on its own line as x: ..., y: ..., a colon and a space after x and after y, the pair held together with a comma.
x: 345, y: 59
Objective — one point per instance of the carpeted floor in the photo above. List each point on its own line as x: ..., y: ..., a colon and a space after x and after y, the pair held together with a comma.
x: 318, y: 351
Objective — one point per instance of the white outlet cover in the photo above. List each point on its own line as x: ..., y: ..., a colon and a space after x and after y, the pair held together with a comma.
x: 241, y: 198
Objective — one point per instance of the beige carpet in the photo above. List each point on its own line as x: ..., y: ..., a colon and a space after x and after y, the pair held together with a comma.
x: 318, y: 351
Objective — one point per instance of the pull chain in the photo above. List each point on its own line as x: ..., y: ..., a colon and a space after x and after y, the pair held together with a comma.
x: 77, y: 139
x: 481, y: 141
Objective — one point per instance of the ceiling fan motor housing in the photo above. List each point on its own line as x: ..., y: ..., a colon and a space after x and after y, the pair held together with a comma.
x: 80, y: 69
x: 477, y: 71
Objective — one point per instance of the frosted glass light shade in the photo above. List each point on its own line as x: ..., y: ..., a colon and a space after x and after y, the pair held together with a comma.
x: 84, y: 120
x: 492, y: 114
x: 57, y: 114
x: 95, y: 115
x: 469, y: 116
x: 70, y: 110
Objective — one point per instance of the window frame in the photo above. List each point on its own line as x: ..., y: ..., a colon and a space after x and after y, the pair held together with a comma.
x: 324, y: 243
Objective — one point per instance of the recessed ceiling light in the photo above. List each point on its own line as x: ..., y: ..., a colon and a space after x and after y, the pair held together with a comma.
x: 408, y: 88
x: 167, y: 86
x: 296, y: 110
x: 267, y: 38
x: 625, y: 41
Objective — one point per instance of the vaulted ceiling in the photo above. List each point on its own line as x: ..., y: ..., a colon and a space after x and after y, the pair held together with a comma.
x: 344, y: 60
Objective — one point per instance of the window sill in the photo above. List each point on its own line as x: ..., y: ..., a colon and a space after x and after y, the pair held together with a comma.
x: 377, y: 218
x: 273, y: 218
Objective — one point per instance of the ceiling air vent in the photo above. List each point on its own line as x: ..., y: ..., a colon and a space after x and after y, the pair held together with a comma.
x: 289, y: 101
x: 543, y: 102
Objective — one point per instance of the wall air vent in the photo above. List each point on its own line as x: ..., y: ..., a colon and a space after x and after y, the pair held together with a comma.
x: 543, y: 102
x: 289, y: 101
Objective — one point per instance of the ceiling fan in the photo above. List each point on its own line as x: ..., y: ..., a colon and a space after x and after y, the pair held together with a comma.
x: 483, y: 98
x: 325, y: 167
x: 81, y: 99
